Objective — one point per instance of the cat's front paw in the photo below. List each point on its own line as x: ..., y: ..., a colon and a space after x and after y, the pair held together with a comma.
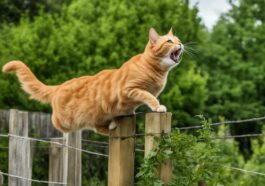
x: 161, y: 108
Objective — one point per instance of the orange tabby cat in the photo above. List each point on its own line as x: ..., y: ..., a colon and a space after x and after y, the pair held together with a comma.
x: 95, y: 101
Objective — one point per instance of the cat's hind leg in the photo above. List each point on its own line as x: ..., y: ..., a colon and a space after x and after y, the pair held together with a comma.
x: 57, y: 124
x: 104, y: 130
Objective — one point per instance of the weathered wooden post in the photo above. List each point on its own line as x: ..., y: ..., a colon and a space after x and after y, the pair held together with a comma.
x: 121, y: 152
x: 72, y: 159
x: 20, y: 162
x: 157, y: 124
x: 1, y: 179
x: 56, y: 166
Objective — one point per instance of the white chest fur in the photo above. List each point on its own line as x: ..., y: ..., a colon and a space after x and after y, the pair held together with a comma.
x: 168, y: 63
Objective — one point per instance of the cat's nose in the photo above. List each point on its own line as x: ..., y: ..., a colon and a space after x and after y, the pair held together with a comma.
x: 179, y: 46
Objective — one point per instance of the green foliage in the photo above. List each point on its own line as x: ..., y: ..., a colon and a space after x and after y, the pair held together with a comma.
x: 201, y: 157
x: 255, y: 163
x: 234, y: 58
x: 11, y: 11
x: 194, y: 159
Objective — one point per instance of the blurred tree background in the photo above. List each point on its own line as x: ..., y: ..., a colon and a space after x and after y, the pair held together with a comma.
x: 223, y: 76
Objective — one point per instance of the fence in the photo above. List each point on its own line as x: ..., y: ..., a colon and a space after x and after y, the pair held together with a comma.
x: 65, y: 149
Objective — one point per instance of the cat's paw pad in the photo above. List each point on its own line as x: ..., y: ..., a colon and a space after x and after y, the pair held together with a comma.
x: 112, y: 125
x: 161, y: 108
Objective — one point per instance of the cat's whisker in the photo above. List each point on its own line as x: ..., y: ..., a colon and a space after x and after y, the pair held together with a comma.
x: 190, y: 53
x: 190, y: 43
x: 192, y: 49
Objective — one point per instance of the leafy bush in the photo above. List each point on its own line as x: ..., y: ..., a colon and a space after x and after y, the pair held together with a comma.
x: 194, y: 159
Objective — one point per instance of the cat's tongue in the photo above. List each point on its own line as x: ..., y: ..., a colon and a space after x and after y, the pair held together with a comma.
x: 175, y: 55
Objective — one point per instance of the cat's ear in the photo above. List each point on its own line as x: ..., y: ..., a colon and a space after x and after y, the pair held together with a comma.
x: 170, y: 32
x: 153, y: 36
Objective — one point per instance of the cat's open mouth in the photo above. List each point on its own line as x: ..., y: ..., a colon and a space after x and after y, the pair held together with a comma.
x: 175, y: 55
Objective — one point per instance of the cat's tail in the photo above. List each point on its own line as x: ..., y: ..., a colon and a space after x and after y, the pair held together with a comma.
x: 30, y: 84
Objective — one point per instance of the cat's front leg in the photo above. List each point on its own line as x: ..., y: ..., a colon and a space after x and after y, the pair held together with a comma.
x: 147, y: 98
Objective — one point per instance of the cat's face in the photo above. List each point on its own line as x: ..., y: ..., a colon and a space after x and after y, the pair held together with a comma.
x: 168, y: 48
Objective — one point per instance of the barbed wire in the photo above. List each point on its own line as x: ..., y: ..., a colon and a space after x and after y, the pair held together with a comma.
x: 240, y: 136
x: 191, y: 127
x: 106, y: 145
x: 63, y: 145
x: 52, y: 142
x: 96, y: 142
x: 221, y: 123
x: 146, y: 134
x: 246, y: 171
x: 176, y: 128
x: 32, y: 180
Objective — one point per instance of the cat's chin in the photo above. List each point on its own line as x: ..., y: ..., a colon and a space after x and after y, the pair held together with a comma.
x: 168, y: 63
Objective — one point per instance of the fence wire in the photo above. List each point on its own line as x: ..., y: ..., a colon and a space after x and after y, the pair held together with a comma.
x: 32, y: 180
x: 224, y: 122
x: 193, y: 127
x: 240, y: 136
x: 246, y: 171
x: 52, y: 142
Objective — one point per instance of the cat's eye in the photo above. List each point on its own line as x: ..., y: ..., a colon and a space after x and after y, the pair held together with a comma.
x: 169, y: 41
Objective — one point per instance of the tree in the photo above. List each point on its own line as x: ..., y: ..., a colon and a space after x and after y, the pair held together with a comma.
x: 234, y: 58
x: 12, y: 11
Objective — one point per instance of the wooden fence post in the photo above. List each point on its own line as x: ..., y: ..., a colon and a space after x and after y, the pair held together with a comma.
x: 56, y: 157
x: 157, y: 124
x: 72, y: 159
x: 1, y: 179
x: 121, y: 153
x: 20, y: 162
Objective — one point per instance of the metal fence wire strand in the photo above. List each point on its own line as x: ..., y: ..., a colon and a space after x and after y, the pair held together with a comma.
x: 246, y: 171
x: 32, y: 180
x: 57, y: 143
x: 240, y: 136
x: 221, y: 123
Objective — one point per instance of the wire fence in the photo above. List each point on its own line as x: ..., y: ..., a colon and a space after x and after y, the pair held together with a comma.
x: 105, y: 144
x: 156, y: 134
x: 62, y: 183
x: 200, y: 127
